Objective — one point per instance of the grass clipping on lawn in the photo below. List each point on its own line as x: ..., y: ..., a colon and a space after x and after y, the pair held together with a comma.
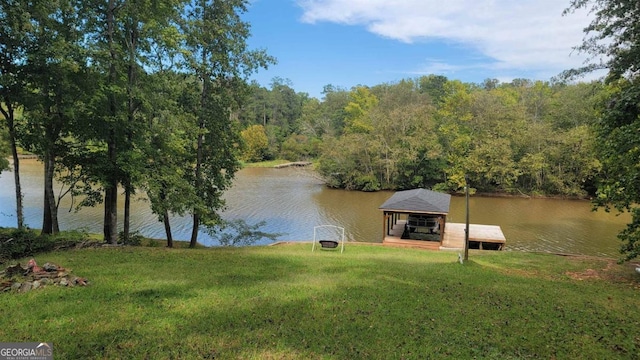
x: 372, y: 302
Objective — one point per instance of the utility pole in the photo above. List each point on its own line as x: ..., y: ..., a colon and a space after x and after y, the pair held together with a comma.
x: 466, y: 230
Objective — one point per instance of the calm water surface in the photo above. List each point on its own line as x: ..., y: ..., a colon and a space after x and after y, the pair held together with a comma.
x: 292, y: 201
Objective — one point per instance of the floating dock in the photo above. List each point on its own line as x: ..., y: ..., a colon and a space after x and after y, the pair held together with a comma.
x: 482, y: 237
x: 290, y: 164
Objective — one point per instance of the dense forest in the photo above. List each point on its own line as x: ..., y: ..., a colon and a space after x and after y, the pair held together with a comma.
x: 522, y: 137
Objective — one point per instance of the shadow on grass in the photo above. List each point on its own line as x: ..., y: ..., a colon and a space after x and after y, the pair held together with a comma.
x: 437, y: 311
x: 240, y: 304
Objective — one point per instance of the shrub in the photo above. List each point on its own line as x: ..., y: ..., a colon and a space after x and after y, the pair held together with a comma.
x: 19, y: 243
x: 135, y: 238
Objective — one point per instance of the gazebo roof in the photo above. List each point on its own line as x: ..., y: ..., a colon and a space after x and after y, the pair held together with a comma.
x: 418, y: 200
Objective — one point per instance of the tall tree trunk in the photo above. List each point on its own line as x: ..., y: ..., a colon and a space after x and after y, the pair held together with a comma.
x: 50, y: 211
x: 111, y: 197
x: 198, y: 170
x: 50, y: 219
x: 18, y: 186
x: 132, y: 43
x: 9, y: 114
x: 111, y: 187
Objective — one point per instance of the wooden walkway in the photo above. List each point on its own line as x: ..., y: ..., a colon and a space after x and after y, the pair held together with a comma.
x: 483, y: 237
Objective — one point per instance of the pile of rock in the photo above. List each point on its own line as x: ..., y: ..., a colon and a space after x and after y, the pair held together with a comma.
x: 23, y: 279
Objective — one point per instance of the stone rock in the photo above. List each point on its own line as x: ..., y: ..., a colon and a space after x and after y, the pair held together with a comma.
x: 26, y: 287
x: 34, y: 277
x: 50, y: 267
x: 45, y: 275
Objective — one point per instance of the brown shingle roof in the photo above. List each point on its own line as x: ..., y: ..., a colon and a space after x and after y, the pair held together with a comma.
x: 418, y: 200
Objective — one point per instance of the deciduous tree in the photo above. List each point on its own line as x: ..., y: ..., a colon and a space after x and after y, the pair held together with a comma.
x: 256, y: 143
x: 14, y: 28
x: 612, y: 40
x: 216, y: 52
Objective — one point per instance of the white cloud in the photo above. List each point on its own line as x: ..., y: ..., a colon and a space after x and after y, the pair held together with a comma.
x: 525, y: 35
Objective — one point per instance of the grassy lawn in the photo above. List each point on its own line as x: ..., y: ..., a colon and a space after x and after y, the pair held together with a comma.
x: 372, y: 302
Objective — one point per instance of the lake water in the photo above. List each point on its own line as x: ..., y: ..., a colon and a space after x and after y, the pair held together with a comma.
x: 293, y: 200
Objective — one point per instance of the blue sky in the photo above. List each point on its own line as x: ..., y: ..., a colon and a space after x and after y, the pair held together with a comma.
x: 367, y: 42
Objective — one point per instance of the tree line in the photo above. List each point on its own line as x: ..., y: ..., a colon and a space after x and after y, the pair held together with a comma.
x: 521, y: 137
x: 126, y: 95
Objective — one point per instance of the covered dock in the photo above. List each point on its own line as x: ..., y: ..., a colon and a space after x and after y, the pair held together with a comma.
x: 417, y: 218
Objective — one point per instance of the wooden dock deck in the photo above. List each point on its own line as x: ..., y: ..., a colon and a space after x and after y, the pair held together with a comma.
x: 483, y: 237
x: 296, y: 163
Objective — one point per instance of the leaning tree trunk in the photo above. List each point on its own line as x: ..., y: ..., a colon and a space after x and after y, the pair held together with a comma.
x: 50, y: 218
x: 167, y: 228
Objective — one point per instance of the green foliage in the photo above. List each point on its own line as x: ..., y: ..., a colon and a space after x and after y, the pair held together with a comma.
x: 133, y: 239
x: 255, y: 143
x: 216, y: 53
x: 434, y: 86
x: 366, y: 182
x: 619, y: 149
x: 131, y: 95
x: 5, y: 147
x: 357, y: 119
x: 300, y: 147
x: 630, y: 237
x: 518, y: 137
x: 19, y: 243
x: 613, y: 40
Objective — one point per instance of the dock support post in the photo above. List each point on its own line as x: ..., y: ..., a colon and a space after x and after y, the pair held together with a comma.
x: 466, y: 230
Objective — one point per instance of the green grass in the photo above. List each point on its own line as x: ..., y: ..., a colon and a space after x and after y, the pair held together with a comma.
x: 372, y: 302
